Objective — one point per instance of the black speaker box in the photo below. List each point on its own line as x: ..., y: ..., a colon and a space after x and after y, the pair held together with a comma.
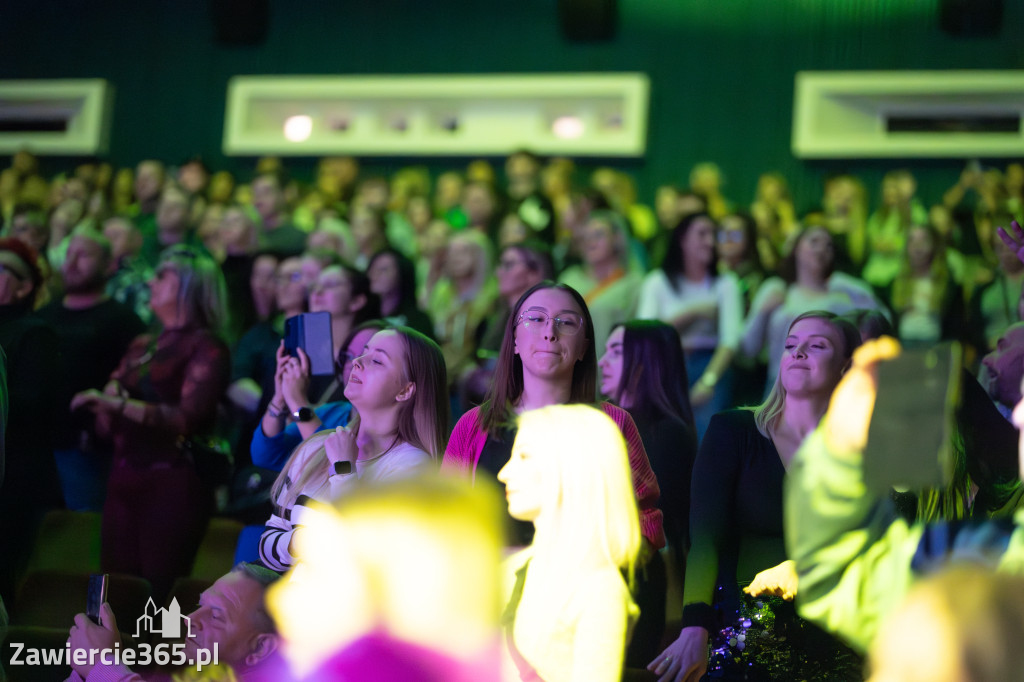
x: 240, y: 23
x: 588, y: 20
x: 971, y: 18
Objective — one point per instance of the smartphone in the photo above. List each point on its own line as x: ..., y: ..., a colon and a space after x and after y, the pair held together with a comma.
x: 96, y: 595
x: 312, y: 333
x: 912, y: 426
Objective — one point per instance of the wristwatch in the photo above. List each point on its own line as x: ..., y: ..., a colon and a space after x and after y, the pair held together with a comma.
x: 303, y: 414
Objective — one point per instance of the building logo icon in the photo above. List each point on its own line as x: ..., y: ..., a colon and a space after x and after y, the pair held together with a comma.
x: 163, y: 622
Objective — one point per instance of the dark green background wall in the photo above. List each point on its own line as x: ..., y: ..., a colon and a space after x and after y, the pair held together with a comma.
x: 721, y: 70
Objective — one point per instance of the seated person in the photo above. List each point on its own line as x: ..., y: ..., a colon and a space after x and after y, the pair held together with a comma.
x: 231, y: 616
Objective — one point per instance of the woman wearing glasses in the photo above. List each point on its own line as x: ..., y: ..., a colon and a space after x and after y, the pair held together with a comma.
x: 167, y: 387
x: 547, y: 358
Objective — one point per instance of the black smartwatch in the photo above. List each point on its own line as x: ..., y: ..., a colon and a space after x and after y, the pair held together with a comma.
x: 343, y: 467
x: 303, y: 414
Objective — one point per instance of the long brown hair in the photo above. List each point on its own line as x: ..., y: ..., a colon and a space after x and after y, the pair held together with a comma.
x: 497, y: 411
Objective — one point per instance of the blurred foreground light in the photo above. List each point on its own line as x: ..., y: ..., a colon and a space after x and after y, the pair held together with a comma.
x: 567, y: 127
x: 298, y: 128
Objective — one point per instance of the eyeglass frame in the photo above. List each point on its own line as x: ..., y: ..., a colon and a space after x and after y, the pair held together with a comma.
x: 558, y: 321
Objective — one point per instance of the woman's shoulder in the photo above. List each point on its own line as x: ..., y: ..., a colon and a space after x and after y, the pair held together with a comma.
x: 737, y: 419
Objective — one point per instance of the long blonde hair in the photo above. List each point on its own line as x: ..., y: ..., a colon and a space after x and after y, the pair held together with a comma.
x: 422, y: 420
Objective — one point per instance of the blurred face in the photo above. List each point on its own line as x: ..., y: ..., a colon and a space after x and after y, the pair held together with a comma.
x: 122, y: 237
x: 267, y: 197
x: 149, y: 178
x: 523, y: 477
x: 461, y: 261
x: 172, y: 213
x: 666, y: 207
x: 815, y: 252
x: 332, y: 292
x: 812, y: 362
x: 14, y: 286
x: 291, y: 290
x: 514, y: 275
x: 377, y: 379
x: 236, y: 231
x: 355, y: 348
x: 311, y: 269
x: 448, y: 191
x: 699, y: 242
x: 610, y: 364
x: 383, y: 274
x: 164, y: 287
x: 26, y: 231
x: 84, y: 267
x: 262, y: 280
x: 599, y: 243
x: 417, y: 210
x: 1001, y: 369
x: 920, y: 249
x: 225, y: 617
x: 478, y: 204
x: 550, y: 349
x: 365, y: 229
x: 193, y: 177
x: 732, y: 239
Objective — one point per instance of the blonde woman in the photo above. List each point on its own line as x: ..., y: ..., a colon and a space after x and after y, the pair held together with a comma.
x: 398, y: 390
x: 570, y: 613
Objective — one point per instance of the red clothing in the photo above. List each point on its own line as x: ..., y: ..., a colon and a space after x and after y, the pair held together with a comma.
x: 467, y: 443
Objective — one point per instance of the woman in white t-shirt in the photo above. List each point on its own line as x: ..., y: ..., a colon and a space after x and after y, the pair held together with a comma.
x: 398, y: 390
x: 705, y: 307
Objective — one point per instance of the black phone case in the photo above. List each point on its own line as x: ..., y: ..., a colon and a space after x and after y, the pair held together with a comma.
x: 312, y: 333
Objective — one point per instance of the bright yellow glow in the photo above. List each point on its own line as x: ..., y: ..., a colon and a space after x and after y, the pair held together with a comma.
x: 298, y: 128
x: 567, y: 127
x: 418, y: 559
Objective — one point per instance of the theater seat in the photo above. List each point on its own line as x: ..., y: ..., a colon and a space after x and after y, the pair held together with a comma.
x: 216, y: 553
x: 53, y: 598
x: 67, y: 541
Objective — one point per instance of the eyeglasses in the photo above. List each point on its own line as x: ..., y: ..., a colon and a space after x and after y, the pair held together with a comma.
x: 289, y: 278
x: 733, y: 236
x: 508, y: 263
x: 535, y: 322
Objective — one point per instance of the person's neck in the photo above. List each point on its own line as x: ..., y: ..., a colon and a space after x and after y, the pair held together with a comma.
x: 801, y: 415
x: 273, y: 221
x: 389, y: 303
x: 695, y: 272
x: 80, y: 300
x: 539, y: 393
x: 464, y: 285
x: 811, y: 281
x: 172, y: 321
x: 921, y: 271
x: 171, y: 237
x: 604, y: 269
x: 378, y: 431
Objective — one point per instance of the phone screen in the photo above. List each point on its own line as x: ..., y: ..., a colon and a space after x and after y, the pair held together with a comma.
x: 97, y: 594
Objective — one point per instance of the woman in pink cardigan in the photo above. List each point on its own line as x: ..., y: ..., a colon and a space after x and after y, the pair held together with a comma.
x: 547, y: 357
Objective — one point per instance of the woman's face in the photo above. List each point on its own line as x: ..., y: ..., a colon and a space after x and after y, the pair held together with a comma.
x: 164, y: 287
x: 383, y: 274
x: 550, y: 349
x: 699, y: 242
x: 291, y: 291
x: 812, y: 362
x: 355, y: 348
x: 377, y: 379
x: 815, y: 251
x: 523, y: 477
x: 732, y: 239
x: 598, y: 242
x: 610, y: 364
x: 920, y: 248
x: 332, y: 293
x: 514, y: 275
x: 461, y: 260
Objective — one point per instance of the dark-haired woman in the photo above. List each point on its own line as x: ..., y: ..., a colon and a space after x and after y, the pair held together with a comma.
x: 706, y: 308
x: 643, y: 371
x: 393, y: 278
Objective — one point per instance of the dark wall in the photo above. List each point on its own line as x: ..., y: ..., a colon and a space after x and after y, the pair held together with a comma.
x: 721, y: 71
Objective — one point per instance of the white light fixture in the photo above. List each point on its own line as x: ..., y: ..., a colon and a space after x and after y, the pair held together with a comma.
x: 567, y: 127
x: 298, y: 128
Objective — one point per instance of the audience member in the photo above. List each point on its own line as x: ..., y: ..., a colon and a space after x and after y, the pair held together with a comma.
x: 230, y: 618
x: 736, y: 526
x: 31, y: 486
x: 94, y: 332
x: 570, y: 613
x: 393, y: 279
x: 397, y: 387
x: 278, y: 234
x: 166, y: 388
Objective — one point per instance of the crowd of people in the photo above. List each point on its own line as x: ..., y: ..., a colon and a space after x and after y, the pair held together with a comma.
x: 472, y: 317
